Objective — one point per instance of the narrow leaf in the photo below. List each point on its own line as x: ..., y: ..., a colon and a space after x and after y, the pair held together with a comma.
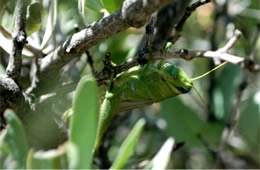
x: 161, y: 159
x: 34, y: 18
x: 51, y: 23
x: 72, y: 154
x: 3, y: 4
x: 83, y: 128
x: 51, y: 159
x: 112, y: 5
x: 90, y: 10
x: 128, y: 146
x: 15, y: 138
x: 6, y: 45
x: 94, y: 5
x: 81, y: 8
x: 82, y: 11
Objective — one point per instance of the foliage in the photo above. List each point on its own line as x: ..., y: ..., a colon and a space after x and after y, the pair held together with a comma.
x: 161, y: 125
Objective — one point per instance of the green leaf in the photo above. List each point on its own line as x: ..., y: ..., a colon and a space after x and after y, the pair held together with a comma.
x: 227, y: 82
x: 112, y: 5
x: 89, y: 10
x: 34, y: 18
x: 72, y: 154
x: 182, y: 122
x: 94, y: 5
x: 6, y: 159
x: 6, y: 44
x: 248, y: 125
x: 3, y: 4
x: 168, y: 46
x: 11, y: 6
x: 51, y: 159
x: 218, y: 99
x: 128, y: 146
x: 2, y: 69
x: 81, y: 8
x: 51, y: 23
x: 67, y: 115
x: 161, y: 159
x: 83, y: 128
x: 15, y: 138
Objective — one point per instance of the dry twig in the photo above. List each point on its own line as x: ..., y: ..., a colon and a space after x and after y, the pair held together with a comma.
x: 19, y: 39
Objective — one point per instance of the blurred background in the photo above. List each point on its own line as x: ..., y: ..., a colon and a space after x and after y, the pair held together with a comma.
x: 200, y: 127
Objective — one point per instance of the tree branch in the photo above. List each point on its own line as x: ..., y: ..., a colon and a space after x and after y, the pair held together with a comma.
x: 192, y: 54
x: 189, y: 10
x: 37, y: 52
x: 11, y: 96
x: 254, y: 43
x: 231, y: 122
x: 167, y: 19
x: 134, y: 13
x: 220, y: 54
x: 19, y: 39
x: 9, y: 91
x: 231, y: 42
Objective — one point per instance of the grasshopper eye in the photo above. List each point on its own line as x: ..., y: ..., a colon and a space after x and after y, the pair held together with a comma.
x: 183, y: 89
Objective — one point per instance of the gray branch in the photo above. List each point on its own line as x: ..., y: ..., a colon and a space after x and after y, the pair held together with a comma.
x: 9, y: 92
x: 134, y: 13
x: 167, y: 18
x: 37, y: 52
x: 220, y: 54
x: 19, y: 39
x: 11, y: 96
x: 189, y: 10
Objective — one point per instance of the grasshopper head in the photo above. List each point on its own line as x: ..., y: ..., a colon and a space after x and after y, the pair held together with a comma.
x: 176, y: 77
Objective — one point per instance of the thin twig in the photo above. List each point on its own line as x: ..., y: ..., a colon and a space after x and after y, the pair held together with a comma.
x: 177, y: 29
x: 188, y: 55
x: 234, y: 115
x: 90, y: 62
x: 35, y: 67
x: 37, y: 52
x: 231, y: 122
x: 167, y: 19
x: 231, y: 42
x: 189, y: 11
x: 147, y: 40
x: 254, y: 42
x: 219, y: 12
x: 19, y: 39
x: 149, y: 30
x: 220, y: 54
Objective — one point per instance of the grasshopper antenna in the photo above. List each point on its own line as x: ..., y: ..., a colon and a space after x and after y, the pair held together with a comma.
x: 203, y: 75
x: 201, y: 98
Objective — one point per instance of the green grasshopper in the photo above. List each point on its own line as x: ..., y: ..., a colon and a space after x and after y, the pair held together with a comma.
x: 141, y: 86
